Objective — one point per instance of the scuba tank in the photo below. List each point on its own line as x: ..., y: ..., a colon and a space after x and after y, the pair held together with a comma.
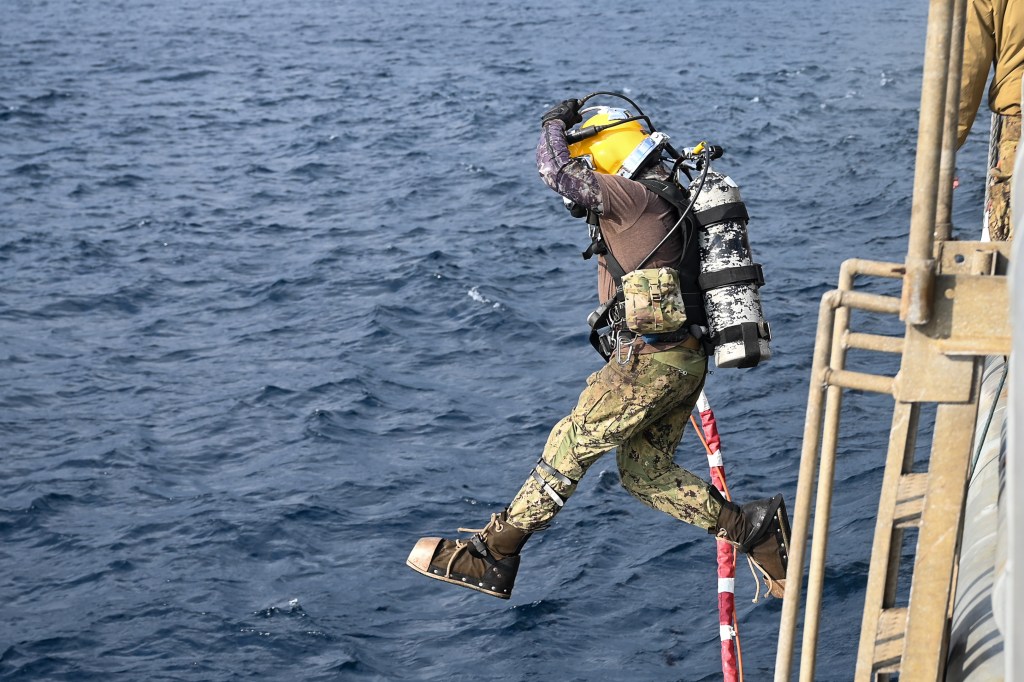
x: 729, y: 278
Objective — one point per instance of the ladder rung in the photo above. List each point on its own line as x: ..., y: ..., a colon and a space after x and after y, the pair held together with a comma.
x: 892, y: 626
x: 910, y: 500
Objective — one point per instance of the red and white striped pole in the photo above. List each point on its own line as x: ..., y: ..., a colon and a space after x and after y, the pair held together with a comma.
x: 732, y: 664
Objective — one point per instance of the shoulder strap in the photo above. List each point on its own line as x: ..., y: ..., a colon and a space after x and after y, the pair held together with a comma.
x: 599, y: 247
x: 616, y: 271
x: 679, y: 198
x: 669, y: 191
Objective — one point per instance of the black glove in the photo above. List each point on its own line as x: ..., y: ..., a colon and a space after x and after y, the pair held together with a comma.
x: 567, y: 111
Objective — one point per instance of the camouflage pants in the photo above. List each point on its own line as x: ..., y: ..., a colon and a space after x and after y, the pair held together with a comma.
x: 642, y: 409
x: 1002, y: 151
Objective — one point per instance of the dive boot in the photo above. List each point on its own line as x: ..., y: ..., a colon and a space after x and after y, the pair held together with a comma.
x: 486, y: 561
x: 760, y: 530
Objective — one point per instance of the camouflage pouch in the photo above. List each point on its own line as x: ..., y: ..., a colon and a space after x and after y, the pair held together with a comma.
x: 654, y: 302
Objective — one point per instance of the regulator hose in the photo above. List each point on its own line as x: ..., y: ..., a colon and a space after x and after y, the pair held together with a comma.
x: 574, y: 136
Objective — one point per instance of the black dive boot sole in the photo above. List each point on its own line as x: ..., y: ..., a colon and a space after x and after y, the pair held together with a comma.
x: 497, y: 581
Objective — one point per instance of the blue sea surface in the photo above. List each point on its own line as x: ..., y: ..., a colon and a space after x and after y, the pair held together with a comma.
x: 282, y: 292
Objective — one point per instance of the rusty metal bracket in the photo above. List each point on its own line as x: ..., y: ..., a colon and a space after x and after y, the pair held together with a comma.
x: 971, y: 317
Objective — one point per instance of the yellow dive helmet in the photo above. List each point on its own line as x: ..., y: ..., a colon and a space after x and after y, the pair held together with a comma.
x: 620, y: 149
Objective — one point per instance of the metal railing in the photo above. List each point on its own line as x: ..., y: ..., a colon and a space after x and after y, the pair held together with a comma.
x: 829, y: 377
x: 930, y: 220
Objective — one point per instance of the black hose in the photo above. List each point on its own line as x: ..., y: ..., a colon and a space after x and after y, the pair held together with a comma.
x: 620, y: 96
x: 641, y: 116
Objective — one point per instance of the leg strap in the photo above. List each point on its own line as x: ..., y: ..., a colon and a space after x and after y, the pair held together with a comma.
x: 545, y: 486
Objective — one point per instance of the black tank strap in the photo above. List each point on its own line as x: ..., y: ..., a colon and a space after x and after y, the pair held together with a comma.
x: 717, y: 214
x: 740, y: 274
x: 750, y: 334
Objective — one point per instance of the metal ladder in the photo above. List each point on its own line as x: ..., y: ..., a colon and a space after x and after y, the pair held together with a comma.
x: 955, y: 307
x: 940, y: 365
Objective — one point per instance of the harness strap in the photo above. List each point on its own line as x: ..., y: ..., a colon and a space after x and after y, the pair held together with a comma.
x: 617, y: 273
x: 597, y: 244
x: 669, y: 191
x: 680, y: 334
x: 599, y: 318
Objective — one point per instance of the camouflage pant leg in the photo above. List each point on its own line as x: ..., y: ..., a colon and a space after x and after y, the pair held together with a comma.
x: 1005, y: 137
x: 618, y: 403
x: 649, y: 472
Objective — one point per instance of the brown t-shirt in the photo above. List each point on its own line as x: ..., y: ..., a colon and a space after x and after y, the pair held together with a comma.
x: 634, y: 220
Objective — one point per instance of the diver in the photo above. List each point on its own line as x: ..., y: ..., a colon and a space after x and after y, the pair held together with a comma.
x: 640, y: 401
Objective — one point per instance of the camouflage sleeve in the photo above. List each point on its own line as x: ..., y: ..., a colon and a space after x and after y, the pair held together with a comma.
x: 570, y: 177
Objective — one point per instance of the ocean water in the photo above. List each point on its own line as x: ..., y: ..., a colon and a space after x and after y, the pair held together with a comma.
x: 282, y: 293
